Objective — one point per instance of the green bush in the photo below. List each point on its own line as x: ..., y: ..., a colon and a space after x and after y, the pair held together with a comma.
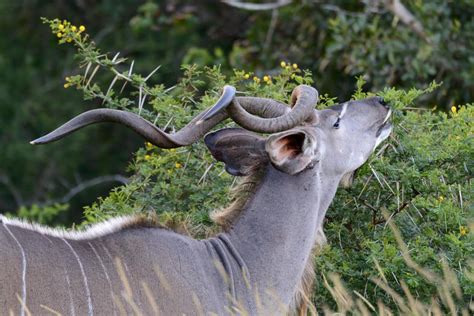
x: 420, y: 179
x: 367, y: 38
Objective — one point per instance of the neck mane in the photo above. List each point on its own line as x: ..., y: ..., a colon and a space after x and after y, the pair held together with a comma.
x: 94, y: 231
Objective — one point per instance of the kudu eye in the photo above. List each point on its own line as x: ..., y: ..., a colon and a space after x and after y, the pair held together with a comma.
x: 336, y: 125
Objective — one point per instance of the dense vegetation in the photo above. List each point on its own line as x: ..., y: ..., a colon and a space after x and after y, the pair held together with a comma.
x: 420, y: 180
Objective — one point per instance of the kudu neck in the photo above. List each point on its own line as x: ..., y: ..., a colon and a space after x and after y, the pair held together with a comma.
x: 275, y: 232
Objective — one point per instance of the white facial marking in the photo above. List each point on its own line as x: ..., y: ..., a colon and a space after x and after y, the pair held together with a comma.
x: 344, y: 108
x: 388, y: 115
x: 106, y: 274
x: 86, y: 284
x: 23, y: 271
x: 383, y: 135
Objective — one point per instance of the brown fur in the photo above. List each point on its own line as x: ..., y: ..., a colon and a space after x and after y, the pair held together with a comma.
x: 147, y: 220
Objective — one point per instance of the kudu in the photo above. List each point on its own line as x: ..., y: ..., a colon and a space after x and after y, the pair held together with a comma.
x: 261, y: 260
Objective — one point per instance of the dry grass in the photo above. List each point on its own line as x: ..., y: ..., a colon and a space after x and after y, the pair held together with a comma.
x: 447, y: 300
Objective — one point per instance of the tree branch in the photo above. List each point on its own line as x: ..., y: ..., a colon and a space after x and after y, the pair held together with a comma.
x: 90, y: 183
x: 401, y: 12
x: 257, y: 6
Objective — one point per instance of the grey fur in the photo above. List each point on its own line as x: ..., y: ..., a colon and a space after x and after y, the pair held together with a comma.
x: 254, y: 267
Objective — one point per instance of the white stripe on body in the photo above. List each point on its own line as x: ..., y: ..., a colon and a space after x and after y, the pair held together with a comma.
x: 106, y: 275
x: 86, y: 284
x: 23, y: 272
x: 68, y: 281
x: 73, y: 312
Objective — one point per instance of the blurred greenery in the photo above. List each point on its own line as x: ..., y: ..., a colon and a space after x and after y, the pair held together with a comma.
x: 421, y: 179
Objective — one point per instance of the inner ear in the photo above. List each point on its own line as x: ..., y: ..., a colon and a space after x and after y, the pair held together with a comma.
x: 289, y: 146
x: 292, y: 151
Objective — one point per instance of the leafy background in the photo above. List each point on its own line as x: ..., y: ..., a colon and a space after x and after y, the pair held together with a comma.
x: 421, y: 179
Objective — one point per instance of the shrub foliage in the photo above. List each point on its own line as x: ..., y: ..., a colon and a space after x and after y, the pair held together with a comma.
x: 420, y: 180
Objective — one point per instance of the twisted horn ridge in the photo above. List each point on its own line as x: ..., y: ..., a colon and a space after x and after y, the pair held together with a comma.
x: 189, y: 134
x: 304, y: 98
x: 256, y: 114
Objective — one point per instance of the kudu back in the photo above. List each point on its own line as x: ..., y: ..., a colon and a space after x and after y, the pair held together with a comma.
x: 259, y: 264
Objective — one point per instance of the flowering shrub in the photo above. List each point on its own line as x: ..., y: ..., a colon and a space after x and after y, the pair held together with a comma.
x: 420, y: 181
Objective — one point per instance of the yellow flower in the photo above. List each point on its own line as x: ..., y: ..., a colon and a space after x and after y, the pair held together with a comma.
x: 73, y: 28
x: 463, y: 230
x: 256, y: 79
x: 149, y: 145
x: 59, y: 34
x: 295, y: 66
x: 69, y: 40
x: 61, y: 27
x: 82, y: 28
x: 246, y: 76
x: 66, y: 85
x: 178, y: 165
x: 441, y: 198
x: 283, y: 64
x: 147, y: 157
x: 266, y: 78
x: 454, y: 109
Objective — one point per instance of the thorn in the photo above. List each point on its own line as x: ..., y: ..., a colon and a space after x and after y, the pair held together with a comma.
x: 151, y: 73
x: 115, y: 57
x: 140, y: 99
x: 87, y: 71
x: 93, y: 74
x: 110, y: 88
x: 129, y: 74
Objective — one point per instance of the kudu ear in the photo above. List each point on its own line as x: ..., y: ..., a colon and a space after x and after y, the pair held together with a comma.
x: 241, y: 151
x: 292, y: 151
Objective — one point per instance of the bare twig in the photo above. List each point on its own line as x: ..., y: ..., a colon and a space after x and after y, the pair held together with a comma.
x: 271, y: 30
x: 87, y: 184
x: 93, y: 182
x: 401, y: 12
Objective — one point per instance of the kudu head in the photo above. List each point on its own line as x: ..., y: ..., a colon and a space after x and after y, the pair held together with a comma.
x: 339, y: 138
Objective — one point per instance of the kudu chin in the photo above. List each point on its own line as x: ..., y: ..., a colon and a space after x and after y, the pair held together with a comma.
x: 259, y: 264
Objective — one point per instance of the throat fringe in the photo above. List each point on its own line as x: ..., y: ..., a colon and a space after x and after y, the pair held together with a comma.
x: 240, y: 196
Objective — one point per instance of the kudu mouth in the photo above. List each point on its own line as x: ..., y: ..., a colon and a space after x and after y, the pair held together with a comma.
x: 386, y: 125
x: 384, y: 130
